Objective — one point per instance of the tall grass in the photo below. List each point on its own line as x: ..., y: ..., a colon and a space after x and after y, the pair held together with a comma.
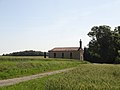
x: 87, y: 77
x: 84, y: 77
x: 11, y: 67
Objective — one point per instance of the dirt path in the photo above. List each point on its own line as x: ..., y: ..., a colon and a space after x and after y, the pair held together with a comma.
x: 13, y: 81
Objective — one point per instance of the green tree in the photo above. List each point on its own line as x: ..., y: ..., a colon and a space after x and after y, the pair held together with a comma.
x: 105, y: 44
x: 116, y: 36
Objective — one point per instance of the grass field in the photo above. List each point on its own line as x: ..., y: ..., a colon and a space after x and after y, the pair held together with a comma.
x: 84, y: 77
x: 11, y: 67
x: 87, y: 77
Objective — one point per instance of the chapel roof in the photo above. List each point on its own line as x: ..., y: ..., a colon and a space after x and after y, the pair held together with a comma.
x: 61, y: 49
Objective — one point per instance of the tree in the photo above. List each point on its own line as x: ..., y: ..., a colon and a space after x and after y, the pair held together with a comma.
x: 26, y: 53
x: 104, y: 45
x: 117, y: 37
x: 117, y: 43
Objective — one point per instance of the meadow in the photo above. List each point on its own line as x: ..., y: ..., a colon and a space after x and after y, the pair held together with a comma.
x: 84, y: 77
x: 87, y: 77
x: 11, y: 67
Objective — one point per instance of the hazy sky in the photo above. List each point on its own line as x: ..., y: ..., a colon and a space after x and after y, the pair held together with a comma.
x: 43, y: 24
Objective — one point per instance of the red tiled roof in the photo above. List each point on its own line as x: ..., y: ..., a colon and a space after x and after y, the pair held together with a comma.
x: 64, y: 49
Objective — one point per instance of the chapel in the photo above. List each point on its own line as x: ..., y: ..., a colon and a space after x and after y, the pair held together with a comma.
x: 67, y: 52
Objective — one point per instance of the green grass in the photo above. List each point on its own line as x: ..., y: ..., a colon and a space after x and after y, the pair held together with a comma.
x: 87, y: 77
x: 84, y: 77
x: 37, y: 84
x: 11, y: 67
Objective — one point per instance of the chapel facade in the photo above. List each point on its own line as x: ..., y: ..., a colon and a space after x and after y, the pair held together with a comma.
x: 67, y: 52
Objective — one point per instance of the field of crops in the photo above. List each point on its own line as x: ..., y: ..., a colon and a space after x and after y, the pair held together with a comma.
x: 84, y: 77
x: 88, y: 77
x: 11, y: 67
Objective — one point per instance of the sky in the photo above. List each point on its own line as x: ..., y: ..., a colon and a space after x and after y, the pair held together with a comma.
x: 44, y: 24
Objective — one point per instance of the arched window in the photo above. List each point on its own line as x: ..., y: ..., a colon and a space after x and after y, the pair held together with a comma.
x: 54, y: 55
x: 62, y: 55
x: 70, y: 55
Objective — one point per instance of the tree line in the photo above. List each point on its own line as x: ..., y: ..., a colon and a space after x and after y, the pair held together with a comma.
x: 26, y: 53
x: 104, y: 46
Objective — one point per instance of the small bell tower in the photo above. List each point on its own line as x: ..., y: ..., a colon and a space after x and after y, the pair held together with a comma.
x: 80, y: 44
x: 81, y: 50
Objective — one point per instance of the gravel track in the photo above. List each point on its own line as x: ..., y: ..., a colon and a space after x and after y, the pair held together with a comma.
x: 13, y: 81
